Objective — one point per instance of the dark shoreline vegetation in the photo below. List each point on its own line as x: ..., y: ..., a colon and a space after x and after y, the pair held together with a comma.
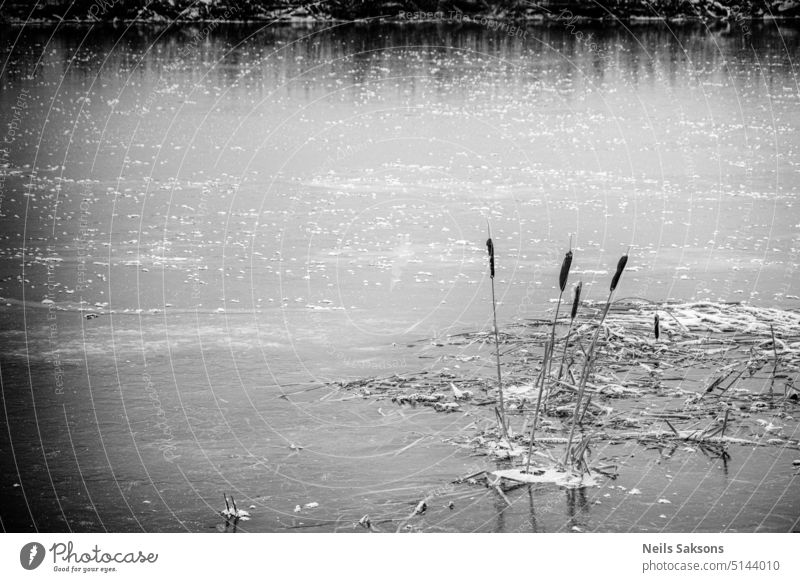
x: 458, y: 11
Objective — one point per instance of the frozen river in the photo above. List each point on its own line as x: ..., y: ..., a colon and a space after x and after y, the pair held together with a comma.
x: 253, y: 211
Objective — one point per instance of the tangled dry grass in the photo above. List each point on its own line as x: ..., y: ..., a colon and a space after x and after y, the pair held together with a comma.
x: 718, y: 376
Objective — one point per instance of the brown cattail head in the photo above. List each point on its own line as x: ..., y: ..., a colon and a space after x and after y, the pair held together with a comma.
x: 490, y: 248
x: 655, y: 328
x: 577, y: 300
x: 562, y: 278
x: 620, y: 267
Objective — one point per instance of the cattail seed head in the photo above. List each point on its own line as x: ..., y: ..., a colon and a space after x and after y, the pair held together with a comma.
x: 620, y: 267
x: 656, y: 327
x: 490, y: 248
x: 562, y: 279
x: 577, y: 300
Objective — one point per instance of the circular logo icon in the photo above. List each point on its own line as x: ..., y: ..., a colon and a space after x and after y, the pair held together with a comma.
x: 31, y: 555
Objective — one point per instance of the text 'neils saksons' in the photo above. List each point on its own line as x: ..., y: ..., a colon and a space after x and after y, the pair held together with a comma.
x: 681, y: 549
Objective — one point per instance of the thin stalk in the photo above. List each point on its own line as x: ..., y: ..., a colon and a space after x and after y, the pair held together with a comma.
x: 563, y: 276
x: 590, y: 355
x: 585, y: 376
x: 499, y: 373
x: 775, y: 366
x: 724, y: 424
x: 490, y: 248
x: 555, y: 321
x: 547, y: 348
x: 585, y: 410
x: 564, y: 354
x: 576, y: 301
x: 549, y: 361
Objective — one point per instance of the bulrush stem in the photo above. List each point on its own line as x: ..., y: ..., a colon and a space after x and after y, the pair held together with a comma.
x: 555, y: 320
x: 499, y: 373
x: 563, y: 276
x: 590, y: 355
x: 547, y: 349
x: 775, y: 366
x: 549, y: 360
x: 502, y: 415
x: 576, y: 301
x: 724, y: 424
x: 564, y: 354
x: 587, y: 368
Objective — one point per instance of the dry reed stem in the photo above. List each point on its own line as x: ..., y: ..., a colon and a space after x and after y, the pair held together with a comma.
x: 547, y: 362
x: 590, y: 354
x: 547, y: 348
x: 775, y: 354
x: 575, y: 303
x: 724, y: 423
x: 490, y: 249
x: 563, y: 276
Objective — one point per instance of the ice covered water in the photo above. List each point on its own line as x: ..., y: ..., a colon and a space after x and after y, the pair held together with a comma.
x: 286, y: 206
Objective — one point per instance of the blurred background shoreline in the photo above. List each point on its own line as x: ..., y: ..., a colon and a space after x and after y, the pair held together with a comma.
x: 168, y: 11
